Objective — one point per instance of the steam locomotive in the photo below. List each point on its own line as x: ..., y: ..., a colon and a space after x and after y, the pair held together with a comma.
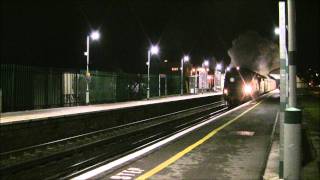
x: 241, y: 85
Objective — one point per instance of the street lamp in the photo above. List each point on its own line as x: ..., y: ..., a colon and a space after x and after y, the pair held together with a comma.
x: 218, y: 67
x: 183, y: 60
x: 95, y: 35
x: 151, y: 51
x: 206, y: 63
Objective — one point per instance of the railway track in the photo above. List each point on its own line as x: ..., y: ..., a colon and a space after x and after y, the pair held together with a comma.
x: 71, y: 156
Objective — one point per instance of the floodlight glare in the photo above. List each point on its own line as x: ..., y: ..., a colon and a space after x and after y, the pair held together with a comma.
x: 206, y: 62
x: 154, y: 49
x: 219, y: 67
x: 186, y: 58
x: 95, y: 35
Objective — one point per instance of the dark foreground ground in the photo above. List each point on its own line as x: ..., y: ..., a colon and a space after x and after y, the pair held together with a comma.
x: 309, y: 102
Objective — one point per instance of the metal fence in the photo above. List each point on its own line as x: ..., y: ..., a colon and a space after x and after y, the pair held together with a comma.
x: 27, y: 88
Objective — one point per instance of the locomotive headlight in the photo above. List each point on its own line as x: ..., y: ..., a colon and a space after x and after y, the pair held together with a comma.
x: 247, y: 89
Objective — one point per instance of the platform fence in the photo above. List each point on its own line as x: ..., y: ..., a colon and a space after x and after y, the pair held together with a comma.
x: 28, y: 88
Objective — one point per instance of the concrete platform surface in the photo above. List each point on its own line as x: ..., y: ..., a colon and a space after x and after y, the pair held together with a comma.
x: 12, y: 117
x: 233, y: 146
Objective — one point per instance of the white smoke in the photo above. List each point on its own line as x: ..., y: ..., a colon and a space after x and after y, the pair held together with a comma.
x: 254, y: 52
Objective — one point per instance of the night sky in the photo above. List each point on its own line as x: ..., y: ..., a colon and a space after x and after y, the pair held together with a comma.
x: 54, y: 34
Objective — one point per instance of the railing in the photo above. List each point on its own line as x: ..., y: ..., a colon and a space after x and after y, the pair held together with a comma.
x: 27, y: 88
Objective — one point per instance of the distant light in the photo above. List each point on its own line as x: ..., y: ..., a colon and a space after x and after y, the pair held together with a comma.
x: 200, y: 69
x: 225, y: 91
x: 193, y: 70
x: 95, y: 35
x: 206, y: 63
x: 228, y: 69
x: 207, y: 69
x: 174, y: 69
x: 219, y: 67
x: 186, y: 58
x: 165, y: 61
x: 238, y: 67
x: 277, y: 31
x: 317, y: 74
x: 154, y: 49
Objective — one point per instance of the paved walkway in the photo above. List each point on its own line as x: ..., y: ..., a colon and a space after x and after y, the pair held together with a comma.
x: 13, y: 117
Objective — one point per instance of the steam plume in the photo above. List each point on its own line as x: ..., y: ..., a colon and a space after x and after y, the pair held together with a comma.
x: 252, y: 51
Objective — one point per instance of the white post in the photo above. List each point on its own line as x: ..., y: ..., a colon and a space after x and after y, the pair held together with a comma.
x: 293, y: 116
x: 195, y: 82
x: 159, y: 85
x: 292, y: 144
x: 292, y: 52
x: 283, y: 99
x: 165, y: 86
x: 181, y: 78
x: 148, y: 88
x: 87, y: 73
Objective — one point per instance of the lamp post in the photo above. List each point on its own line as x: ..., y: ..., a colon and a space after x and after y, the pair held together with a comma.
x: 151, y: 51
x: 183, y: 60
x: 95, y: 35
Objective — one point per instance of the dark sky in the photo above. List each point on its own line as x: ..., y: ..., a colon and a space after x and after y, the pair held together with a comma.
x: 53, y: 34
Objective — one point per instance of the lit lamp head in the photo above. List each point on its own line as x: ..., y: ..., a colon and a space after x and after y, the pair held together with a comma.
x: 206, y: 63
x: 95, y: 35
x: 186, y: 58
x: 154, y: 50
x: 219, y: 67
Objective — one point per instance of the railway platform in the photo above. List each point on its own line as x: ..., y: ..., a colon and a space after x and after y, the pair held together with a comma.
x: 41, y: 114
x: 30, y: 128
x: 231, y: 145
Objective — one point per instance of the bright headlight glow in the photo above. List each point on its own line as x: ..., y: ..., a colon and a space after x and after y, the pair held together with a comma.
x: 247, y: 89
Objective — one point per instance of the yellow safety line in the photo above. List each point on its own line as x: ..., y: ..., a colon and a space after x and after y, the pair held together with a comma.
x: 191, y: 147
